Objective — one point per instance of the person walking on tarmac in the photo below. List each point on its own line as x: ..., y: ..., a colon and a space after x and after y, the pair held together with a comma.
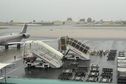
x: 14, y: 57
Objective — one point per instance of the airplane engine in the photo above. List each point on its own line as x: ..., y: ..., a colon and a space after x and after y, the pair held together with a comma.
x: 25, y: 35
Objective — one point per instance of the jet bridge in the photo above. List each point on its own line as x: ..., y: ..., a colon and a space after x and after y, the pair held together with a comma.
x: 45, y: 53
x: 66, y: 44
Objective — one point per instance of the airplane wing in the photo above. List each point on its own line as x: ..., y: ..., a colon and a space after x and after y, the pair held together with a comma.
x: 49, y: 40
x: 46, y: 40
x: 13, y: 43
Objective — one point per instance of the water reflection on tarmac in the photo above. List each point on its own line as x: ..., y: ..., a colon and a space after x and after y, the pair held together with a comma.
x: 7, y: 56
x: 17, y: 70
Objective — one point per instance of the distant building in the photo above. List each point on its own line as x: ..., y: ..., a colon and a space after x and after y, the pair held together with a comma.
x: 58, y: 22
x: 47, y: 23
x: 81, y: 21
x: 108, y: 22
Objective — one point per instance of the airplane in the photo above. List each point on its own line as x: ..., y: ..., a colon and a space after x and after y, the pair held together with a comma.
x: 14, y: 39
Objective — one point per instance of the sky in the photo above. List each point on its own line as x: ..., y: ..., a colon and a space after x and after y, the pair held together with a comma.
x: 49, y: 10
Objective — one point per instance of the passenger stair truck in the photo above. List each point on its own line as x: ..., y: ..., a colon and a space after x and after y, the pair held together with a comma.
x: 67, y: 44
x: 47, y: 54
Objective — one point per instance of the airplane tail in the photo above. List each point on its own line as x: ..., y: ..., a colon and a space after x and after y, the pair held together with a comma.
x: 24, y: 29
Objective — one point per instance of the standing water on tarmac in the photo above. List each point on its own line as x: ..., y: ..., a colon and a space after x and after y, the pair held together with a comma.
x: 96, y: 44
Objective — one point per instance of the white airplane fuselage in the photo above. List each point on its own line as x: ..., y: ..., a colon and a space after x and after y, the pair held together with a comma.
x: 14, y: 38
x: 10, y: 38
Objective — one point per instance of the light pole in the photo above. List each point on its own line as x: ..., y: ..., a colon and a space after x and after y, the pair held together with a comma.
x: 5, y: 75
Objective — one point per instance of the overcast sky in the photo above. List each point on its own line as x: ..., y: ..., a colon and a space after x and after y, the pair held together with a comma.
x: 27, y: 10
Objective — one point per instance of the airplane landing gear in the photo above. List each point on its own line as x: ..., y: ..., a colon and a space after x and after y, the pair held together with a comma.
x: 6, y: 47
x: 18, y: 46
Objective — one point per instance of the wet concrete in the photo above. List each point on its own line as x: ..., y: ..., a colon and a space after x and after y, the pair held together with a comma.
x: 17, y: 70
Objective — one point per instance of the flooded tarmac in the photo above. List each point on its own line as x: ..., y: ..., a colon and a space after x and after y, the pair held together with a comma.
x: 40, y: 33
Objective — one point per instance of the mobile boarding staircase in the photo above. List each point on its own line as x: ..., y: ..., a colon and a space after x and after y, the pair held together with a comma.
x: 67, y: 44
x: 44, y: 52
x: 53, y: 57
